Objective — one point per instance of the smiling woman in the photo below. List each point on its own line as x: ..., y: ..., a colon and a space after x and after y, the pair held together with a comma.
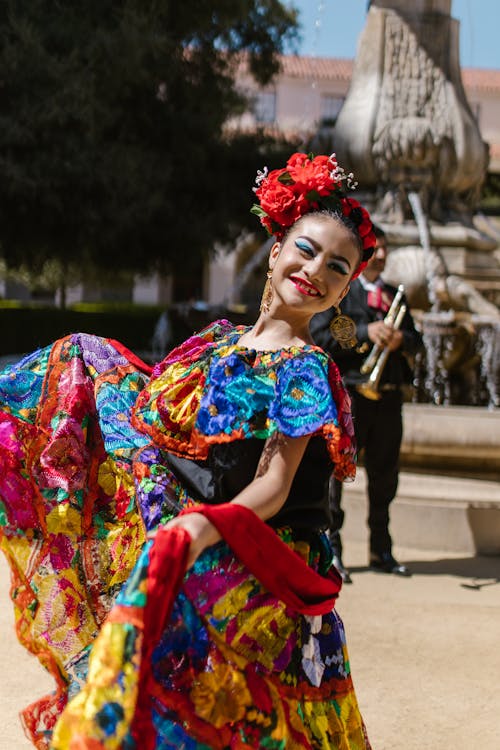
x: 178, y: 513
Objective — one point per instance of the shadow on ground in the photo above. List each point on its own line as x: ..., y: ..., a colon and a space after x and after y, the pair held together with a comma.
x: 479, y: 571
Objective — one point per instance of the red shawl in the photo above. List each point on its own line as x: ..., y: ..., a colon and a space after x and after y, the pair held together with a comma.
x: 255, y: 543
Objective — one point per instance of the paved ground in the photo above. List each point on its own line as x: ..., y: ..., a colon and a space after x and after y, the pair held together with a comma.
x: 424, y: 652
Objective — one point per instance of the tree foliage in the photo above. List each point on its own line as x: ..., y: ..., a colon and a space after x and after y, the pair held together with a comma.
x: 112, y: 112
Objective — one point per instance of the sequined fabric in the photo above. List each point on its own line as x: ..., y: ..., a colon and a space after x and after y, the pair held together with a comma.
x: 83, y: 476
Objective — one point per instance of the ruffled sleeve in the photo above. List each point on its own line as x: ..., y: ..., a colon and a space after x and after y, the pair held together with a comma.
x: 295, y: 392
x: 211, y: 391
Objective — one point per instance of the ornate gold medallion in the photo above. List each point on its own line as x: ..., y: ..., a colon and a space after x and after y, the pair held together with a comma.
x: 343, y: 330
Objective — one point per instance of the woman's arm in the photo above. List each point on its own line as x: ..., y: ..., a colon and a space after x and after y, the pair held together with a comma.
x: 265, y: 494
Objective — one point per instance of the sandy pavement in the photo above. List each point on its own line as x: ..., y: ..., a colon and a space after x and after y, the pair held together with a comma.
x: 425, y: 654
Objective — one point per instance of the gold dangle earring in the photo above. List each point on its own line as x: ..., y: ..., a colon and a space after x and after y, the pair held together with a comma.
x: 267, y: 294
x: 343, y: 329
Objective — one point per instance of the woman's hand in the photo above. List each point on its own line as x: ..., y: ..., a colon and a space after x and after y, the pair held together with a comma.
x: 203, y: 533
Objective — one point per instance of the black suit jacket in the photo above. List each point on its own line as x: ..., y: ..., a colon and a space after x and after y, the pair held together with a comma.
x: 397, y: 370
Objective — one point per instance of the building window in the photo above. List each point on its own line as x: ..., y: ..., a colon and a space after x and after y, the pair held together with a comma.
x: 329, y: 108
x: 264, y: 107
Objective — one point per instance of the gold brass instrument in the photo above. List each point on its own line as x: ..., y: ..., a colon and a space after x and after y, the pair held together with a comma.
x: 375, y: 362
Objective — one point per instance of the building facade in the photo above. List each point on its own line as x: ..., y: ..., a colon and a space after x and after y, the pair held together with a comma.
x: 309, y: 92
x: 307, y: 96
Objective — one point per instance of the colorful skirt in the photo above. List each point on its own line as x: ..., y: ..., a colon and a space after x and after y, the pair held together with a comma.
x: 232, y: 667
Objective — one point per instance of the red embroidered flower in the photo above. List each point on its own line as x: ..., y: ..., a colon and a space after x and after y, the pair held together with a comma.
x: 64, y: 460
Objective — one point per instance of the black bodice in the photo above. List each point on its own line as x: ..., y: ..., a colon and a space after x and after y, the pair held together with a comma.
x: 232, y: 466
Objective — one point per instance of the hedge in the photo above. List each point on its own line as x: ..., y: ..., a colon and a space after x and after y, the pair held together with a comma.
x: 24, y: 329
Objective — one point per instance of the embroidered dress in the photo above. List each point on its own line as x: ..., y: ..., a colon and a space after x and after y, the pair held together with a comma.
x: 95, y: 451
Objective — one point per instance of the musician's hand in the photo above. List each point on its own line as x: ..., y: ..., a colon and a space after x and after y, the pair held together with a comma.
x: 395, y: 340
x: 384, y: 335
x: 379, y: 333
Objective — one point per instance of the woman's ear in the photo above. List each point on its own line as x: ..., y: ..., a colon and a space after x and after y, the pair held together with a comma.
x: 275, y: 251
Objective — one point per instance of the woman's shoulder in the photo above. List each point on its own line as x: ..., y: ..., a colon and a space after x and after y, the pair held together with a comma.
x: 200, y: 345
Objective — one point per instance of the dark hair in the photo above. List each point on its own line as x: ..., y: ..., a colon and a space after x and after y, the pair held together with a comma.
x: 378, y: 232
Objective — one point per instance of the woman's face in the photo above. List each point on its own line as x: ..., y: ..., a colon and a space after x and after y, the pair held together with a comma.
x: 313, y: 266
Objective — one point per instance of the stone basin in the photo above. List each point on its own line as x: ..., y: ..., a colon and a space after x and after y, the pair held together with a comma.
x: 449, y: 488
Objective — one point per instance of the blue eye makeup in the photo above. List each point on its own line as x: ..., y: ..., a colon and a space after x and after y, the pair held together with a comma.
x: 340, y: 267
x: 304, y: 245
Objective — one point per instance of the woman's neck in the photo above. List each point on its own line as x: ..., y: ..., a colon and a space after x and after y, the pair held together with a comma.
x: 270, y: 332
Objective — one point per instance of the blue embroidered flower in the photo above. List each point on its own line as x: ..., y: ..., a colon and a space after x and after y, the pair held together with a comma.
x: 217, y: 411
x: 21, y: 382
x: 251, y: 394
x: 303, y: 398
x: 114, y: 406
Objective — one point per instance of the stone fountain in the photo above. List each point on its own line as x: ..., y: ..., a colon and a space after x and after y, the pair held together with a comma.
x: 407, y: 132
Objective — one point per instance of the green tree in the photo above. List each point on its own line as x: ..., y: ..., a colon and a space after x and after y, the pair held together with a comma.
x: 112, y: 113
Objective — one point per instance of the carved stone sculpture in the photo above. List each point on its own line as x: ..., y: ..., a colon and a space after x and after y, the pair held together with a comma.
x: 406, y: 123
x: 408, y: 133
x: 406, y: 128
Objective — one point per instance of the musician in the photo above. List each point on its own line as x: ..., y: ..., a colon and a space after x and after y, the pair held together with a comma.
x: 378, y: 423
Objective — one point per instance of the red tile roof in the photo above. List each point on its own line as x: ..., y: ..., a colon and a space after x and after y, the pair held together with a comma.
x: 481, y: 79
x: 337, y: 68
x: 325, y: 68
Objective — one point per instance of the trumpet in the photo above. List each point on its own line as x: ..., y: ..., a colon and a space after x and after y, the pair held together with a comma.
x: 377, y: 359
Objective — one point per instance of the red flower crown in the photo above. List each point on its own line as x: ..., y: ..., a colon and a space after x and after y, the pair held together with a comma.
x: 310, y: 183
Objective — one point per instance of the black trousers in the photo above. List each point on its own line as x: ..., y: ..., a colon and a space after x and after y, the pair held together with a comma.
x: 379, y: 430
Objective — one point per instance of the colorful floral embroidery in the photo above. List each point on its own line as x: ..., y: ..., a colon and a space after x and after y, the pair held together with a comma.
x: 234, y: 668
x: 211, y: 390
x: 83, y: 475
x: 71, y: 529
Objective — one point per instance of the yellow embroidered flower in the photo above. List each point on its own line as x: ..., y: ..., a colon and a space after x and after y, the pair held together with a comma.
x: 108, y: 654
x: 112, y: 681
x: 315, y: 712
x: 106, y: 477
x: 220, y: 697
x: 124, y: 545
x: 234, y: 601
x: 64, y: 519
x: 63, y: 619
x: 263, y: 635
x: 111, y: 477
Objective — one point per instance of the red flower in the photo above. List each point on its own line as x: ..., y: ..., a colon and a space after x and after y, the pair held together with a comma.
x: 64, y: 460
x: 297, y: 160
x: 282, y: 204
x: 275, y: 198
x: 287, y: 194
x: 312, y: 175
